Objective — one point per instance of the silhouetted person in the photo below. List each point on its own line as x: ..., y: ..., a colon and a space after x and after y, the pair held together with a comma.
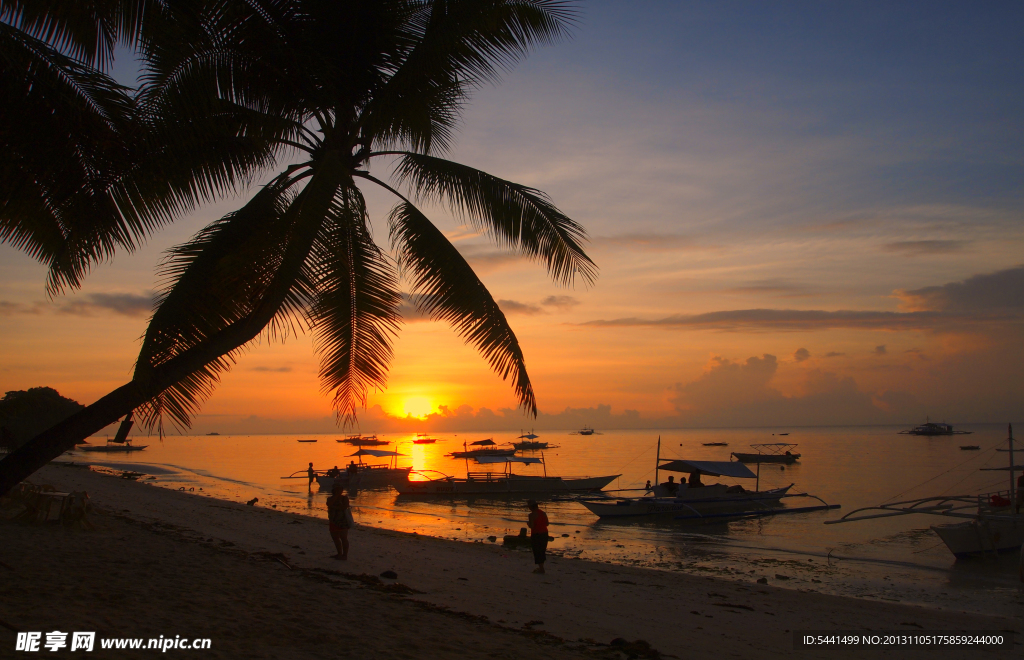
x: 312, y: 476
x: 695, y: 481
x: 538, y: 522
x: 670, y: 486
x: 339, y: 520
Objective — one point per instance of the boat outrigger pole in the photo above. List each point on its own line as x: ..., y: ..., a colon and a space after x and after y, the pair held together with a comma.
x: 657, y: 462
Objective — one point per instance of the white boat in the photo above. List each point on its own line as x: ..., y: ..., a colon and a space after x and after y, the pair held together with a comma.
x: 697, y: 501
x: 502, y: 483
x: 990, y: 522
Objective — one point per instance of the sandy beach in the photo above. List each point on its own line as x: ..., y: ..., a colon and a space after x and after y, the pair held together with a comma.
x: 263, y: 583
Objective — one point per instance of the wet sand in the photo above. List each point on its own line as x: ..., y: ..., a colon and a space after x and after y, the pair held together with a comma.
x: 263, y: 583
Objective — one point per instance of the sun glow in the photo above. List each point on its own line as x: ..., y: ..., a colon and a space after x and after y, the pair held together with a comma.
x: 417, y: 406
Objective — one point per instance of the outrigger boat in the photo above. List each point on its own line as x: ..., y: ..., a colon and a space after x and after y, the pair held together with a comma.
x: 485, y: 448
x: 120, y: 442
x: 934, y: 428
x: 770, y: 452
x: 423, y: 439
x: 363, y: 441
x: 586, y: 430
x: 991, y: 521
x: 704, y: 502
x: 360, y: 475
x: 501, y: 483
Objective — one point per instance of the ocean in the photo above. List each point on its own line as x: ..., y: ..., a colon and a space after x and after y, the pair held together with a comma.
x: 893, y: 559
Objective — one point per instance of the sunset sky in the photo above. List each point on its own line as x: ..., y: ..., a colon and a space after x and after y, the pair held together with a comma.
x: 803, y: 213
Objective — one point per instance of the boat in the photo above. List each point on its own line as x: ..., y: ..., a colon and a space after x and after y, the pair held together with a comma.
x: 423, y: 439
x: 485, y: 447
x: 120, y: 441
x: 990, y: 522
x: 934, y: 428
x: 501, y: 483
x: 305, y: 441
x: 213, y: 433
x: 969, y: 447
x: 715, y: 444
x: 363, y: 441
x: 532, y: 445
x: 770, y: 452
x: 684, y: 501
x: 586, y: 430
x: 365, y: 475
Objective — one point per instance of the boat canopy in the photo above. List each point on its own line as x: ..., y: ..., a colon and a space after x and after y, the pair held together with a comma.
x: 507, y: 459
x: 379, y: 453
x: 530, y: 436
x: 712, y: 468
x: 478, y: 443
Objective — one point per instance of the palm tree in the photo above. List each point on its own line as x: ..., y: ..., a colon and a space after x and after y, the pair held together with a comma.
x: 334, y: 86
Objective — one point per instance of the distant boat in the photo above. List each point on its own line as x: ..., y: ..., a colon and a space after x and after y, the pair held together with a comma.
x: 770, y: 452
x: 305, y: 441
x: 213, y: 433
x: 934, y: 428
x: 486, y: 448
x: 120, y: 441
x: 502, y: 483
x: 423, y: 439
x: 715, y: 444
x: 532, y: 445
x: 586, y: 430
x: 969, y: 447
x: 363, y: 441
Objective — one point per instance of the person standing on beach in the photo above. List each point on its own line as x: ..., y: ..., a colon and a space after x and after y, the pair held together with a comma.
x: 538, y: 522
x: 312, y: 475
x: 339, y: 520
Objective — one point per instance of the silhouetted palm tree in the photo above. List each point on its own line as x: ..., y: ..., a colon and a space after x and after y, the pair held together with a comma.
x: 331, y: 85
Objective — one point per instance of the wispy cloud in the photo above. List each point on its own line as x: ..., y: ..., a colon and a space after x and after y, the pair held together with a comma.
x: 280, y: 370
x: 515, y: 307
x: 651, y: 242
x: 561, y: 303
x: 92, y: 304
x: 913, y: 248
x: 804, y: 320
x: 832, y: 354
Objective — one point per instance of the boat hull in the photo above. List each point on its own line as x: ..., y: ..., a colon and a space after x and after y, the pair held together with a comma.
x: 112, y: 448
x: 365, y: 478
x: 977, y: 537
x: 766, y: 458
x: 709, y: 499
x: 502, y: 485
x: 473, y: 453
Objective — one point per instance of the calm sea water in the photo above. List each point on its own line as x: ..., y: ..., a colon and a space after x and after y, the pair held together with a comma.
x: 896, y: 559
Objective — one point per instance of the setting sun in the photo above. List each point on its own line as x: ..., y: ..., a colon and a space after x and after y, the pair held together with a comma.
x: 417, y: 406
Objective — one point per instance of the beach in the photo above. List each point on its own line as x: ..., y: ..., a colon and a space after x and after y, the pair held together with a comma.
x: 263, y: 583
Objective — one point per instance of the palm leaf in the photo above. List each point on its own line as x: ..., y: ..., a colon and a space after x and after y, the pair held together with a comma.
x: 355, y: 313
x: 516, y: 216
x: 448, y: 290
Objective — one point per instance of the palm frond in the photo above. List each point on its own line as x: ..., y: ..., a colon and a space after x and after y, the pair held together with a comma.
x: 516, y: 216
x: 459, y: 44
x: 448, y: 290
x: 355, y: 313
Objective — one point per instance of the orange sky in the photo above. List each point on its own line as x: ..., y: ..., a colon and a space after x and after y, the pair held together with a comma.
x: 824, y: 229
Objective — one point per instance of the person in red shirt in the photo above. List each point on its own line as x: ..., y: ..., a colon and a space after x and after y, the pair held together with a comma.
x: 538, y: 522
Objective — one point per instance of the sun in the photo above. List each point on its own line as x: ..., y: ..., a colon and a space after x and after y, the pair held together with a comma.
x: 417, y: 406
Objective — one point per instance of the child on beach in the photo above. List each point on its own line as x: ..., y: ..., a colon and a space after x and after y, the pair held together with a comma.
x: 339, y: 520
x: 538, y: 522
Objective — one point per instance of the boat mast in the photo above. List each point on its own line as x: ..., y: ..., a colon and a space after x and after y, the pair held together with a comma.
x: 1013, y: 495
x: 657, y: 462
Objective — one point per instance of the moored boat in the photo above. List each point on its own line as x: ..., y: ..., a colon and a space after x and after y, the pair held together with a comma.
x: 991, y: 522
x: 366, y: 475
x: 934, y: 428
x: 423, y: 439
x: 364, y: 441
x: 770, y: 452
x: 501, y: 483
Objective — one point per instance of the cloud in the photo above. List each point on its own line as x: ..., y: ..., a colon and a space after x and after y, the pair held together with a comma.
x: 515, y: 307
x: 281, y: 370
x: 915, y: 248
x: 127, y: 304
x: 880, y: 350
x: 998, y: 292
x: 408, y: 310
x: 779, y: 288
x: 832, y: 354
x: 647, y: 242
x: 801, y: 355
x: 561, y: 303
x: 484, y: 258
x: 732, y: 393
x: 792, y: 320
x: 93, y: 304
